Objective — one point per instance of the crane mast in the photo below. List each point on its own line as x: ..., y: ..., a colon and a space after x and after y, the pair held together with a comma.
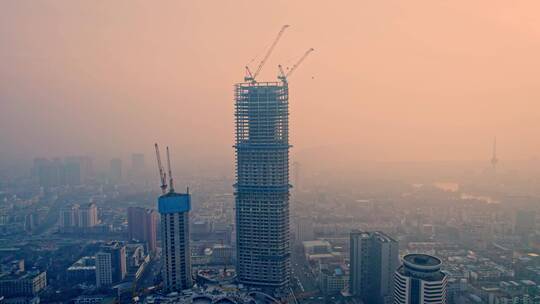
x: 162, y: 174
x: 171, y: 186
x: 251, y: 76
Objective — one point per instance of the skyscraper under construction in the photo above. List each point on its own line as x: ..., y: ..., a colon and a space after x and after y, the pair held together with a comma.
x: 262, y: 183
x: 262, y: 177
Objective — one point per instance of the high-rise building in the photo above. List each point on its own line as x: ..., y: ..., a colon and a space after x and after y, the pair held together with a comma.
x: 304, y: 229
x: 88, y: 216
x: 104, y: 275
x: 31, y: 221
x: 262, y: 183
x: 138, y: 168
x: 49, y: 173
x: 72, y: 173
x: 110, y: 264
x: 115, y: 173
x: 69, y: 216
x: 142, y: 223
x: 78, y: 168
x: 525, y: 222
x: 176, y: 254
x: 374, y: 259
x: 137, y: 162
x: 296, y: 170
x: 420, y: 281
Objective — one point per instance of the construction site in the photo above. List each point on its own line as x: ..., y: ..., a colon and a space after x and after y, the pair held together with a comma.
x: 263, y: 249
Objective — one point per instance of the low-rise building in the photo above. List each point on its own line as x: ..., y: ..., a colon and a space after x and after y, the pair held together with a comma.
x: 22, y: 284
x: 332, y: 280
x: 82, y: 271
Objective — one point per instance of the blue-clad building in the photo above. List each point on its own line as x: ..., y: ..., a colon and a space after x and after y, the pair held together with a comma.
x: 174, y: 210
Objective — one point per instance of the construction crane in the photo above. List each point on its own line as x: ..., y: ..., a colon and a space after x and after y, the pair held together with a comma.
x: 251, y: 76
x: 225, y: 258
x: 283, y: 76
x: 171, y: 186
x: 162, y: 174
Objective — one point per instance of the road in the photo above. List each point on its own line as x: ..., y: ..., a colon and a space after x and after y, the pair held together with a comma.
x: 149, y: 275
x: 303, y: 280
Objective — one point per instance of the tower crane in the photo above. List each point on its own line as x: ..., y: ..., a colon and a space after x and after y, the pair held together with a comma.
x: 162, y: 174
x: 171, y: 186
x: 283, y: 76
x: 251, y: 76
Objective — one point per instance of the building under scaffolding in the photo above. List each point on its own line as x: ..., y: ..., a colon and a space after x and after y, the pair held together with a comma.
x: 262, y: 183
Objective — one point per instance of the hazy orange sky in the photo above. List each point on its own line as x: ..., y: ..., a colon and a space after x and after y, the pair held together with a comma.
x: 389, y: 80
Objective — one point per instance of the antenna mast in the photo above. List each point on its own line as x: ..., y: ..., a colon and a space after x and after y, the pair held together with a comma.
x: 494, y: 159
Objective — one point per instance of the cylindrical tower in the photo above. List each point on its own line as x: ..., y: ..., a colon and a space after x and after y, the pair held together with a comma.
x: 420, y: 281
x: 262, y: 183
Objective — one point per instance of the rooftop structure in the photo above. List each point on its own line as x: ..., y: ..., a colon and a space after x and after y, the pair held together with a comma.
x: 422, y: 265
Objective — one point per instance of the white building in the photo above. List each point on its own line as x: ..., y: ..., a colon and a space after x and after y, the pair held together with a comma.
x: 110, y: 264
x: 69, y: 216
x: 88, y: 216
x: 420, y: 281
x: 103, y: 269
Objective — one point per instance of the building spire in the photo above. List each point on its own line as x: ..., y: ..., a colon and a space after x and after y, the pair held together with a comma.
x: 494, y: 159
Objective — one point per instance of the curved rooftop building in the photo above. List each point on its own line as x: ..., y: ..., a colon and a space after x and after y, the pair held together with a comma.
x: 420, y: 280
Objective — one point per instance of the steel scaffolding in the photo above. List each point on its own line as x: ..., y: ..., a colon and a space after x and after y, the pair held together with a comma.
x: 262, y: 183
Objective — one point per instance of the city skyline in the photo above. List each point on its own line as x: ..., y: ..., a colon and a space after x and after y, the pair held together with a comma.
x: 366, y: 153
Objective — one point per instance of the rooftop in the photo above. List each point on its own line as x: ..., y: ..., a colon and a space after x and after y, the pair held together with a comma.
x: 19, y: 276
x: 173, y: 202
x: 316, y: 243
x: 419, y: 259
x: 430, y: 277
